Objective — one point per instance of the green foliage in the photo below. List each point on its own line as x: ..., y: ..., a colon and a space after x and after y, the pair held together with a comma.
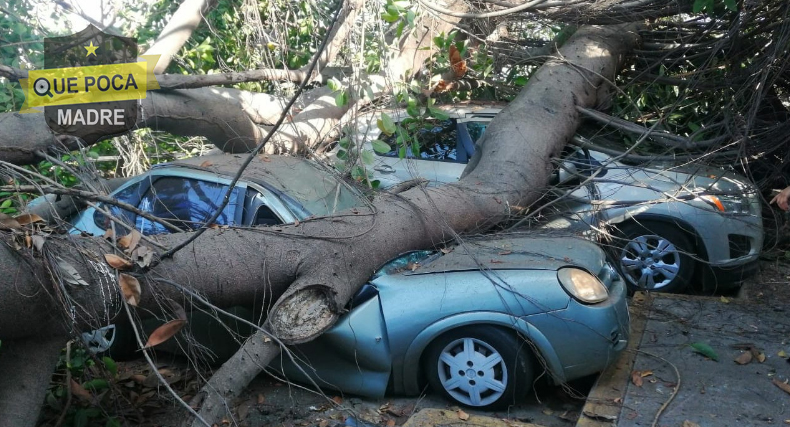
x: 93, y: 376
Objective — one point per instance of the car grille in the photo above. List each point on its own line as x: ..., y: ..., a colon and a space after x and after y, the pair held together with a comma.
x: 740, y: 245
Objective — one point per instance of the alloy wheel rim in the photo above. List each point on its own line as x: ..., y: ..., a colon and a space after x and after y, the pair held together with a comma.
x: 472, y: 372
x: 650, y: 261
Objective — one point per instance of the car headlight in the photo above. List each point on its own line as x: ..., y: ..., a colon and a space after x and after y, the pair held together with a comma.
x: 582, y: 285
x: 729, y: 204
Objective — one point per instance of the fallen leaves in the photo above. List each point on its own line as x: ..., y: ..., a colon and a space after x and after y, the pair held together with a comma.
x: 751, y: 353
x: 169, y: 329
x: 637, y: 377
x: 783, y: 385
x: 463, y: 416
x: 165, y: 332
x: 130, y: 241
x: 130, y: 288
x: 117, y: 262
x: 744, y: 358
x: 688, y: 423
x: 28, y: 218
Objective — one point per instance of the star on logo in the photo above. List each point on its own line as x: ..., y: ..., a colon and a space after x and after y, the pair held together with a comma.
x: 91, y: 49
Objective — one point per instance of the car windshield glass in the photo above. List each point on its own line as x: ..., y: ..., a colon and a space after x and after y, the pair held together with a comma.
x: 408, y: 262
x: 186, y: 203
x: 438, y: 140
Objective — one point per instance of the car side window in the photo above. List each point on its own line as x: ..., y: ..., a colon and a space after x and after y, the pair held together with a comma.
x: 257, y: 212
x: 438, y: 141
x: 186, y: 203
x: 130, y: 195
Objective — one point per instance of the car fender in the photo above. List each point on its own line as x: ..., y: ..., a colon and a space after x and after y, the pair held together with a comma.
x: 411, y: 362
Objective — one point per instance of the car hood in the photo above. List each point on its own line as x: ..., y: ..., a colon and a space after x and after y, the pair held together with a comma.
x: 676, y: 180
x: 520, y: 251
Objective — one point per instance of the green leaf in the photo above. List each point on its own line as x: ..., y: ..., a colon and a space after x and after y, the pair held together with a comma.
x: 111, y: 365
x: 389, y: 17
x: 6, y: 203
x: 380, y: 146
x: 96, y: 384
x: 375, y: 184
x: 731, y: 4
x: 343, y: 143
x: 367, y: 157
x: 705, y: 350
x: 81, y: 418
x: 413, y: 110
x: 112, y: 422
x: 386, y: 124
x: 93, y: 154
x: 342, y: 154
x: 415, y: 149
x: 438, y: 114
x: 334, y: 84
x: 341, y: 99
x: 520, y: 81
x: 402, y: 152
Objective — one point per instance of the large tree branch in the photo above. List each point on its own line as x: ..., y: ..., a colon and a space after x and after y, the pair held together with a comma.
x: 178, y: 30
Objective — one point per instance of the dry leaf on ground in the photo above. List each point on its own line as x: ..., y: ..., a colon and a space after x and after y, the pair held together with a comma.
x: 463, y: 416
x: 744, y: 358
x: 636, y: 378
x: 688, y: 423
x: 783, y: 386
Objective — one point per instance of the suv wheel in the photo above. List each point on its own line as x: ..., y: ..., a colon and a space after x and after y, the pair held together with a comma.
x: 654, y: 256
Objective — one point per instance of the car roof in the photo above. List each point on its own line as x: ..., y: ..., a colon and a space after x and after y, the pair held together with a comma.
x: 528, y: 251
x: 300, y: 179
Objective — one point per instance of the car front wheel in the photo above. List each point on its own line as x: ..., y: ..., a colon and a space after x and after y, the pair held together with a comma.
x: 654, y: 256
x: 483, y: 367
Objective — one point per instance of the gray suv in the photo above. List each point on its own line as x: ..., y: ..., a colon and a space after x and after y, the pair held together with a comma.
x: 673, y: 225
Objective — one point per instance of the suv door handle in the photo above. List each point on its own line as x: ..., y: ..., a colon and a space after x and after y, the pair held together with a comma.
x: 384, y: 169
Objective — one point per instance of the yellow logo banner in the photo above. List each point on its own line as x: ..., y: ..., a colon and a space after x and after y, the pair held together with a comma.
x: 83, y: 85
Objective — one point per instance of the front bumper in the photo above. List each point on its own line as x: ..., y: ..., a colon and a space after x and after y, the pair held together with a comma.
x: 588, y: 338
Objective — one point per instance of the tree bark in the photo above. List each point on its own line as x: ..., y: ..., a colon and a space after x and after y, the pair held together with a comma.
x: 178, y: 30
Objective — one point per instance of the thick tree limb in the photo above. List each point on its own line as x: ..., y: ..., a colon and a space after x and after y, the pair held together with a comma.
x: 178, y: 30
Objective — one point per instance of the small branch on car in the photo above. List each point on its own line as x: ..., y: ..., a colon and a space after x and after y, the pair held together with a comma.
x: 406, y: 185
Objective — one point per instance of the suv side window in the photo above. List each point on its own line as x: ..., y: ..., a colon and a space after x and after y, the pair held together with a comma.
x: 186, y: 203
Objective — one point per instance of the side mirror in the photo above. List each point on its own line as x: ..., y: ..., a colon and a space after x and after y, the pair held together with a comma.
x: 567, y: 172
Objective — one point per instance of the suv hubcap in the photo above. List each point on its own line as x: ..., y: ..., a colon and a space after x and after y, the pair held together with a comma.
x: 472, y: 372
x: 650, y: 262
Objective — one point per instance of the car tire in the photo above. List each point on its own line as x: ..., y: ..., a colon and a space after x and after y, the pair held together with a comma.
x: 496, y: 372
x: 654, y: 256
